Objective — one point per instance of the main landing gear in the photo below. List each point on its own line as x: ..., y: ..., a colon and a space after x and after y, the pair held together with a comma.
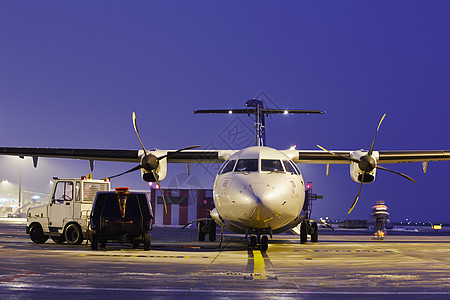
x: 262, y: 241
x: 308, y: 228
x: 204, y: 228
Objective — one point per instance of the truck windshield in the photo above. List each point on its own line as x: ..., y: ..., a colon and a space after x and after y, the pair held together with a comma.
x: 91, y: 188
x: 63, y: 191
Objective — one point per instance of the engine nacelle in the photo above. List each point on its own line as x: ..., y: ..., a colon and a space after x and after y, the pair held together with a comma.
x: 161, y: 171
x: 356, y: 173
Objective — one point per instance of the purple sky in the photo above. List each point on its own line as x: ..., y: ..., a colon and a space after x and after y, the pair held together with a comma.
x: 71, y: 73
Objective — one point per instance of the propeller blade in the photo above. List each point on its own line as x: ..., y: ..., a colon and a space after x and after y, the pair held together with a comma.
x: 357, y: 195
x: 160, y: 189
x: 137, y: 132
x: 179, y: 150
x: 375, y: 137
x: 395, y: 172
x: 123, y: 173
x: 344, y: 157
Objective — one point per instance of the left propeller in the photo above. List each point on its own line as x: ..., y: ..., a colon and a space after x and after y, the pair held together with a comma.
x: 150, y: 162
x: 366, y: 164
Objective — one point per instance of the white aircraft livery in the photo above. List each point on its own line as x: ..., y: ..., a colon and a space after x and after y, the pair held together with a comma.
x: 258, y: 191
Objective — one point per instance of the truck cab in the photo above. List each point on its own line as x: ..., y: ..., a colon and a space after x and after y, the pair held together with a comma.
x: 66, y: 217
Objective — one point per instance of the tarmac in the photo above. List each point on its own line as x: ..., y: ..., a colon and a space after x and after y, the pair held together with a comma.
x: 344, y: 264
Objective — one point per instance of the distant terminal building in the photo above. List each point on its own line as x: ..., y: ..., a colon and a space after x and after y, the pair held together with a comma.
x: 11, y: 206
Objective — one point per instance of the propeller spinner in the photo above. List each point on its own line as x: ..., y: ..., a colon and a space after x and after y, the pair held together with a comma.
x: 150, y: 163
x: 366, y: 164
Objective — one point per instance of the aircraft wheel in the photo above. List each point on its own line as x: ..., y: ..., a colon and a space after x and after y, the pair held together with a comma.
x: 94, y: 241
x: 314, y: 233
x: 201, y: 231
x: 303, y: 234
x: 253, y: 241
x: 147, y: 241
x: 212, y: 231
x: 264, y: 243
x: 37, y: 234
x: 73, y: 234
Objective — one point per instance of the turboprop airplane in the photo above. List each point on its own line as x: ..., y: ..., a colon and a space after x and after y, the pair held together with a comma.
x: 258, y: 191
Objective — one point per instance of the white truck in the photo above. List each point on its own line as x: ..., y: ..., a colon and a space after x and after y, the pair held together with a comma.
x: 66, y: 217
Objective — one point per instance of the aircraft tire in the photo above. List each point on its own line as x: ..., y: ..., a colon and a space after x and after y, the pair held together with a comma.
x: 212, y: 231
x: 303, y: 233
x: 314, y: 233
x: 264, y: 243
x: 37, y: 234
x: 201, y: 231
x: 73, y: 234
x: 253, y: 241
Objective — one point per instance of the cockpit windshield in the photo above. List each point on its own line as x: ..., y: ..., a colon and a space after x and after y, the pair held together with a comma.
x: 290, y: 167
x: 271, y: 165
x: 247, y: 165
x: 227, y: 167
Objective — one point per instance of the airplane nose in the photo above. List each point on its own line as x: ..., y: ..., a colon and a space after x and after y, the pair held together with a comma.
x: 258, y: 201
x: 258, y: 190
x: 266, y: 201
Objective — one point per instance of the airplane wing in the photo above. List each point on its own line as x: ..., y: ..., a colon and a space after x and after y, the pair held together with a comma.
x: 385, y: 157
x: 219, y: 156
x: 173, y: 156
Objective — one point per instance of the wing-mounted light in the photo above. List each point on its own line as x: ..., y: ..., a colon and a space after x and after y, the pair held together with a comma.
x: 356, y: 173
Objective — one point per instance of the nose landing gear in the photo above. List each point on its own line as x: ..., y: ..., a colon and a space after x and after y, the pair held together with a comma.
x: 262, y: 241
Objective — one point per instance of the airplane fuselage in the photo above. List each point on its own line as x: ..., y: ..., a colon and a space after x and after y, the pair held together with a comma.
x: 259, y: 190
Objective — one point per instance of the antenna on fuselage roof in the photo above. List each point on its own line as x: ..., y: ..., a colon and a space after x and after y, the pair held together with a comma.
x: 256, y: 107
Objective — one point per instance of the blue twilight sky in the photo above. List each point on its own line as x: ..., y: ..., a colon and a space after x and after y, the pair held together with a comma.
x: 71, y: 73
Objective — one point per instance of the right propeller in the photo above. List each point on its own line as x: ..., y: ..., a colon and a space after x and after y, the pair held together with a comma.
x: 366, y: 163
x: 150, y: 163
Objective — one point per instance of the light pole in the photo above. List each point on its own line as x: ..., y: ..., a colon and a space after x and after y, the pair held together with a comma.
x: 20, y: 183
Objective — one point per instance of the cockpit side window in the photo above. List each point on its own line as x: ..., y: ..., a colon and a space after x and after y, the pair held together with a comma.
x: 271, y: 165
x: 296, y: 168
x: 228, y: 167
x: 289, y: 167
x: 247, y: 165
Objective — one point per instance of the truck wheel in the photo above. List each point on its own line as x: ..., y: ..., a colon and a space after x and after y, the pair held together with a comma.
x: 147, y: 241
x: 58, y: 239
x: 94, y: 241
x: 73, y: 235
x: 135, y: 244
x: 102, y: 241
x: 37, y: 234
